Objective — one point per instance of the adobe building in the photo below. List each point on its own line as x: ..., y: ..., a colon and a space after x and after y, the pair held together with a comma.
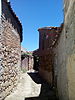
x: 10, y: 48
x: 64, y: 51
x: 47, y: 39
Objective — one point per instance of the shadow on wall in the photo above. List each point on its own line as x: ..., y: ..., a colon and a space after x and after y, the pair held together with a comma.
x: 47, y: 92
x: 36, y: 62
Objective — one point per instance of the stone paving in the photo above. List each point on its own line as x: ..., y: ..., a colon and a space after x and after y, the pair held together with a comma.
x: 31, y: 87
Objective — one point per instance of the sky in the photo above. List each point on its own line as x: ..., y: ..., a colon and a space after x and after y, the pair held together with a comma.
x: 35, y: 14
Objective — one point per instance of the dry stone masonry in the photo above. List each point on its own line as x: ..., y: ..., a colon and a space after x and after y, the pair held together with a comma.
x: 10, y: 49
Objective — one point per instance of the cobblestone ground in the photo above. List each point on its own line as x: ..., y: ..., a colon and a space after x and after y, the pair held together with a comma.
x: 32, y: 87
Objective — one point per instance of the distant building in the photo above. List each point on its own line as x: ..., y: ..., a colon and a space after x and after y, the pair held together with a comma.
x: 47, y: 39
x: 10, y: 48
x: 27, y: 60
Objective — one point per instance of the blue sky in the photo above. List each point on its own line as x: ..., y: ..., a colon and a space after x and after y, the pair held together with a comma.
x: 34, y: 14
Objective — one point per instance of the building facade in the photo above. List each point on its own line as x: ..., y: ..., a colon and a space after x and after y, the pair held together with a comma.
x: 65, y: 54
x: 27, y: 61
x: 10, y: 48
x: 47, y: 39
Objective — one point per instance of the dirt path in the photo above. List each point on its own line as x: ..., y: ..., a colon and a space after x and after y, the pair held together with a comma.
x: 32, y: 87
x: 26, y: 88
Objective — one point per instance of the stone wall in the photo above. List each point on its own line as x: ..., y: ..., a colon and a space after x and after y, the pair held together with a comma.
x: 10, y: 50
x: 65, y: 55
x: 27, y: 62
x: 10, y: 58
x: 31, y: 62
x: 10, y: 15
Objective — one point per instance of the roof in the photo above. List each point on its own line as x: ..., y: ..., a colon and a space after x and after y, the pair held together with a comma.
x: 50, y: 28
x: 53, y: 33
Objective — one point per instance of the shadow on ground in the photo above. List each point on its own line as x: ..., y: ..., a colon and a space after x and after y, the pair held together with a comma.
x: 46, y: 93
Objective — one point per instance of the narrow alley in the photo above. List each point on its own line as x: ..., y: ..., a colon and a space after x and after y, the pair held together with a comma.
x: 32, y: 87
x: 42, y: 71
